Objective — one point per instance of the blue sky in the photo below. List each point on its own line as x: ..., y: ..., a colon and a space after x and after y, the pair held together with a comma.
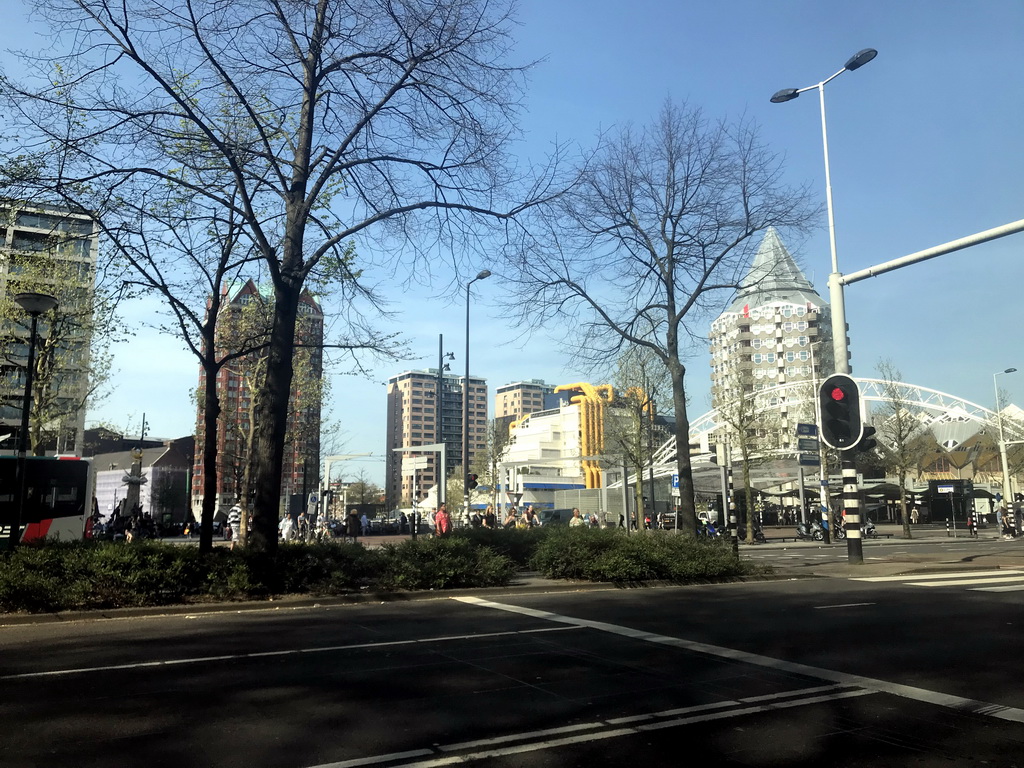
x: 925, y: 147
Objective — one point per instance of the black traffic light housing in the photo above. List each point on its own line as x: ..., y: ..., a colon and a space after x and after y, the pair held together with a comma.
x: 867, y: 440
x: 841, y: 424
x: 472, y: 482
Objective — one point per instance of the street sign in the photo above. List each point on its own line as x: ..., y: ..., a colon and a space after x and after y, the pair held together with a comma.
x: 806, y: 444
x: 675, y: 481
x: 409, y: 466
x: 808, y: 459
x: 514, y: 497
x: 807, y: 430
x: 676, y: 493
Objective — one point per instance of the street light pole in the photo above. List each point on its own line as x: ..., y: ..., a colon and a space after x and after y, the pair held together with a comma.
x: 442, y: 470
x: 34, y: 304
x: 837, y: 301
x: 465, y: 406
x: 1002, y: 438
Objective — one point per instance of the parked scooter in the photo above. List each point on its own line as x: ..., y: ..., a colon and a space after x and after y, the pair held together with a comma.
x: 867, y: 530
x: 811, y: 530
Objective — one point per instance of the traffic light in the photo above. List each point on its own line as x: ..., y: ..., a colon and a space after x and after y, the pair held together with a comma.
x: 867, y: 440
x: 841, y: 425
x: 472, y: 482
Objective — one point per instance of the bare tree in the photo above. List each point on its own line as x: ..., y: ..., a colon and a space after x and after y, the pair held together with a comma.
x: 331, y: 119
x: 751, y: 426
x: 640, y: 381
x: 648, y: 245
x: 900, y: 432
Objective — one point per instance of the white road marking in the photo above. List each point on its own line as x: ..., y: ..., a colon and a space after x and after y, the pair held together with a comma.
x: 266, y: 654
x: 598, y: 729
x: 967, y: 582
x: 843, y: 605
x: 955, y: 575
x: 1011, y: 588
x: 949, y: 701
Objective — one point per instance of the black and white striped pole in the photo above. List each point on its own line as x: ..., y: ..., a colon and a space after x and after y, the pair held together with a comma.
x: 851, y: 503
x: 842, y: 427
x: 733, y: 523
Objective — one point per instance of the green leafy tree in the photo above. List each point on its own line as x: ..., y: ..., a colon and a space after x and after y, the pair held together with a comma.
x: 330, y: 119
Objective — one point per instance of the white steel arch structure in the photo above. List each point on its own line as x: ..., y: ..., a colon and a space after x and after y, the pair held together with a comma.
x: 936, y: 407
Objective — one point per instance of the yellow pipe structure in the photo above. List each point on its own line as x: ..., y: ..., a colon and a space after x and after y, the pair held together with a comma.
x: 591, y: 401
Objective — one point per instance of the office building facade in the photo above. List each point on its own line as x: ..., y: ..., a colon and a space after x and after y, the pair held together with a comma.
x: 415, y: 417
x: 236, y: 384
x: 52, y: 250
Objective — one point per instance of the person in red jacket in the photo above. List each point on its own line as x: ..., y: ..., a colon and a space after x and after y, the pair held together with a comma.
x: 442, y: 521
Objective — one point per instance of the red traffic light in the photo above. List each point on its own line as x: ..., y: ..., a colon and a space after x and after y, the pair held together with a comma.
x: 838, y: 394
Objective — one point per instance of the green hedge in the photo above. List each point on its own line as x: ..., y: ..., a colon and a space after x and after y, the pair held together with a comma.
x: 610, y: 555
x: 62, y: 576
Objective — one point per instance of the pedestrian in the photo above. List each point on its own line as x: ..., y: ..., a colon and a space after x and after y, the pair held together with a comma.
x: 510, y: 518
x: 442, y: 521
x: 364, y: 523
x: 915, y: 516
x: 576, y: 520
x: 403, y: 524
x: 234, y: 524
x: 353, y: 527
x: 476, y: 520
x: 490, y: 519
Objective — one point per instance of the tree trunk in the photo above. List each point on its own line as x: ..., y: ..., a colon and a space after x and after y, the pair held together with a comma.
x: 903, y: 506
x: 272, y: 418
x: 211, y: 412
x: 687, y: 505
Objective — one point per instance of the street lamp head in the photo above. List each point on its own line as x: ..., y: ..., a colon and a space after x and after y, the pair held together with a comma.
x: 860, y: 58
x: 483, y: 273
x: 1010, y: 370
x: 786, y: 94
x: 35, y: 303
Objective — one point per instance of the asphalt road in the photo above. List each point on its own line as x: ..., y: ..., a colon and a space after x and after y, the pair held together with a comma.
x: 802, y: 672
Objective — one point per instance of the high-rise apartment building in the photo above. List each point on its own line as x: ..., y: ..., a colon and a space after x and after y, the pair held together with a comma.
x: 236, y: 383
x: 513, y: 401
x: 776, y: 331
x: 52, y: 250
x: 413, y: 419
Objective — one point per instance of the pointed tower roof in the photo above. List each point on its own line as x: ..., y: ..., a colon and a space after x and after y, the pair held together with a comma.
x: 774, y: 276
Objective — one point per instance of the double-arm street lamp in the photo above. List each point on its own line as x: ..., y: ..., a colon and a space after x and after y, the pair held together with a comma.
x: 1002, y: 438
x: 465, y: 405
x: 837, y: 301
x: 35, y: 304
x: 835, y: 287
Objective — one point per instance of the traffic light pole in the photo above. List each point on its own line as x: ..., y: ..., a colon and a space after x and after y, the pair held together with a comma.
x: 841, y: 352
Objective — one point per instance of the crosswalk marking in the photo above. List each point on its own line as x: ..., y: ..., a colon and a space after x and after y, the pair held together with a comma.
x: 953, y: 575
x: 964, y: 582
x: 1009, y: 580
x: 1010, y: 588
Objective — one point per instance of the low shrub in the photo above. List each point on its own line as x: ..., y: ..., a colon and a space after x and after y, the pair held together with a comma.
x: 611, y: 555
x: 442, y: 563
x: 517, y: 544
